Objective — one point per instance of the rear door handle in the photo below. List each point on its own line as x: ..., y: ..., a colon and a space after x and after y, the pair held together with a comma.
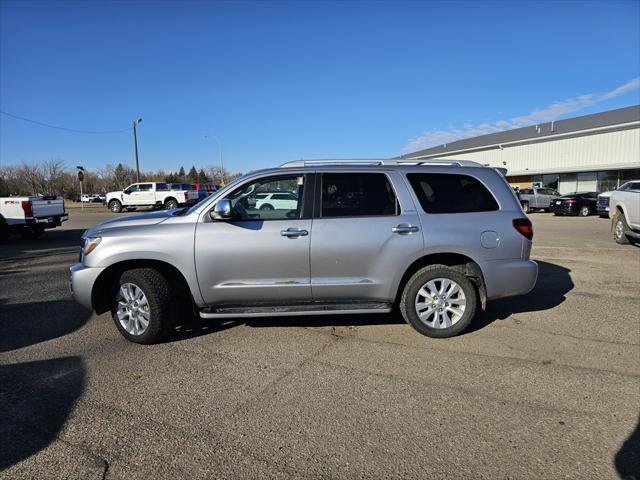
x: 294, y: 232
x: 405, y: 229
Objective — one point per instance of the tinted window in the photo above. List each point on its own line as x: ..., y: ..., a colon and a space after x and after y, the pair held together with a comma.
x: 450, y: 193
x: 133, y: 188
x: 526, y: 191
x: 357, y: 195
x: 161, y: 186
x: 145, y: 187
x: 249, y: 204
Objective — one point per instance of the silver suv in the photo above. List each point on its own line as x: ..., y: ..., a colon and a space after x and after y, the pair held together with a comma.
x: 434, y: 239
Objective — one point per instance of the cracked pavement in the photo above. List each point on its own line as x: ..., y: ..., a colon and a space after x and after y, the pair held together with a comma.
x: 543, y: 386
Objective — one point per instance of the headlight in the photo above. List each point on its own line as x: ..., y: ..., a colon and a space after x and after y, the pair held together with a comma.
x: 90, y: 244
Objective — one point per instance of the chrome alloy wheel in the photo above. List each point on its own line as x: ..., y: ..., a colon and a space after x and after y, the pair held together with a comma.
x: 133, y: 309
x: 619, y: 229
x: 440, y: 303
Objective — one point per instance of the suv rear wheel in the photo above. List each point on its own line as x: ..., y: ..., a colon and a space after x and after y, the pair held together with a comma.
x: 438, y: 301
x: 143, y: 306
x: 171, y: 204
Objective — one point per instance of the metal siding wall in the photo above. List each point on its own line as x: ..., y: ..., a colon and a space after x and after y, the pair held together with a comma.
x: 621, y: 149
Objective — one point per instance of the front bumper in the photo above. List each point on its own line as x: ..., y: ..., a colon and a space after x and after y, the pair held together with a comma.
x: 81, y: 281
x: 508, y: 278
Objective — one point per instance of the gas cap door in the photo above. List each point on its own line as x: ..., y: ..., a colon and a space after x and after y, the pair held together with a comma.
x: 489, y: 239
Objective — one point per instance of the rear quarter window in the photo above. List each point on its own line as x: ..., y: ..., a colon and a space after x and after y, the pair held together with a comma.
x: 451, y: 193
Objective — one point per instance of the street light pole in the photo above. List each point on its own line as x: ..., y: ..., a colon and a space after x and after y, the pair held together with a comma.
x: 135, y: 144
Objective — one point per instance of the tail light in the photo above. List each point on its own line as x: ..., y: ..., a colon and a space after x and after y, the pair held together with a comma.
x: 27, y: 208
x: 570, y: 200
x: 523, y: 225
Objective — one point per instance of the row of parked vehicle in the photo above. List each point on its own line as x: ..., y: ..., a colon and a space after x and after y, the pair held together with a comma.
x: 158, y: 195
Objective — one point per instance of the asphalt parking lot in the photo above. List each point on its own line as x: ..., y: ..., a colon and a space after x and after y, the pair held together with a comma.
x: 543, y: 386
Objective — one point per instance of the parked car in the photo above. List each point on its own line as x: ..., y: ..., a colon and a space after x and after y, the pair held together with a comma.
x: 150, y: 194
x: 434, y: 240
x: 99, y: 198
x: 275, y: 200
x: 582, y: 204
x: 205, y: 189
x: 625, y: 214
x: 603, y: 198
x: 537, y: 198
x: 30, y: 215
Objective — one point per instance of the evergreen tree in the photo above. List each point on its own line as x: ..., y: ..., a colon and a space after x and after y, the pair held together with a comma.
x: 193, y: 175
x: 202, y: 177
x: 181, y: 174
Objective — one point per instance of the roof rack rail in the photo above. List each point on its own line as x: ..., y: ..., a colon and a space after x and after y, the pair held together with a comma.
x: 380, y: 162
x: 311, y: 163
x: 436, y: 162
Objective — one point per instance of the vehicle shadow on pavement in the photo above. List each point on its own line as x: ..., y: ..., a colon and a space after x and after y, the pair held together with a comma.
x: 37, y: 399
x: 552, y: 286
x: 190, y: 328
x: 627, y: 460
x: 63, y: 241
x: 25, y: 324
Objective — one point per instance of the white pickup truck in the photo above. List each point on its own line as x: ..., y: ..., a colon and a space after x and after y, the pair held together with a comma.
x: 624, y: 210
x: 150, y: 194
x: 30, y: 216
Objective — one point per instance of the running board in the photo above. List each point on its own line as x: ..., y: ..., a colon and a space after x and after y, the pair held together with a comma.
x: 293, y: 310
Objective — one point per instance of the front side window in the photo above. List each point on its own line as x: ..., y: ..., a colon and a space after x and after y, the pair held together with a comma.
x: 133, y: 188
x: 451, y: 193
x: 357, y: 195
x: 254, y: 201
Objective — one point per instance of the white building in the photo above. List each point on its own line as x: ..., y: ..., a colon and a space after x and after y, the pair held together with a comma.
x: 594, y: 152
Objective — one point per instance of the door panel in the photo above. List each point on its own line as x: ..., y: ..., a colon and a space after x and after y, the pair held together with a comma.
x: 262, y: 255
x: 251, y: 262
x: 358, y: 258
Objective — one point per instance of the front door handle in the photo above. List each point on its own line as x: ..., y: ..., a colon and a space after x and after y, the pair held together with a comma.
x: 294, y: 232
x: 405, y: 229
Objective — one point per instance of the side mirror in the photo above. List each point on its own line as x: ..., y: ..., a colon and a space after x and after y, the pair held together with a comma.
x: 222, y: 210
x: 127, y: 192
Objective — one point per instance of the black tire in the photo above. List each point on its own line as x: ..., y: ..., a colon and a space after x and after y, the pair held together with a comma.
x: 620, y: 229
x: 525, y: 207
x: 584, y: 211
x: 418, y: 280
x: 170, y: 204
x: 115, y: 206
x: 161, y: 304
x: 266, y: 206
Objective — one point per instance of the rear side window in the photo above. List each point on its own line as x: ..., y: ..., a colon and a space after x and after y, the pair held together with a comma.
x: 357, y: 195
x: 451, y: 193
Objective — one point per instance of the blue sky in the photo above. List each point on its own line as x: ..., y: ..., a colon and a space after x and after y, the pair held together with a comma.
x: 282, y: 81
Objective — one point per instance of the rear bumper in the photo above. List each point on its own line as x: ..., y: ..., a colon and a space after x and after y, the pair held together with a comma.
x: 565, y: 209
x: 81, y: 281
x: 508, y: 278
x: 48, y: 222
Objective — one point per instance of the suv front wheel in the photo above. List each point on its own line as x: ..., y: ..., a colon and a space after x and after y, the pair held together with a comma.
x: 438, y: 301
x: 143, y: 308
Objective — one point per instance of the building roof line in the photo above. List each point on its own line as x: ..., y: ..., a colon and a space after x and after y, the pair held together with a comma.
x: 541, y: 132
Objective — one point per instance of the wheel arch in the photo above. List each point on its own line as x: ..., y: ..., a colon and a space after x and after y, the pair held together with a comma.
x: 459, y: 262
x: 104, y: 284
x: 168, y: 199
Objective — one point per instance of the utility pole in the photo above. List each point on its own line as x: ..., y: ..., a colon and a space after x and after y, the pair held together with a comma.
x: 135, y: 144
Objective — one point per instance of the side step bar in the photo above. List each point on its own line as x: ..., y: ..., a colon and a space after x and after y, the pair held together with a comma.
x: 293, y: 310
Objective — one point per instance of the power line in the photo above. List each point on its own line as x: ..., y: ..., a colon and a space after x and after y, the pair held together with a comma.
x: 63, y: 128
